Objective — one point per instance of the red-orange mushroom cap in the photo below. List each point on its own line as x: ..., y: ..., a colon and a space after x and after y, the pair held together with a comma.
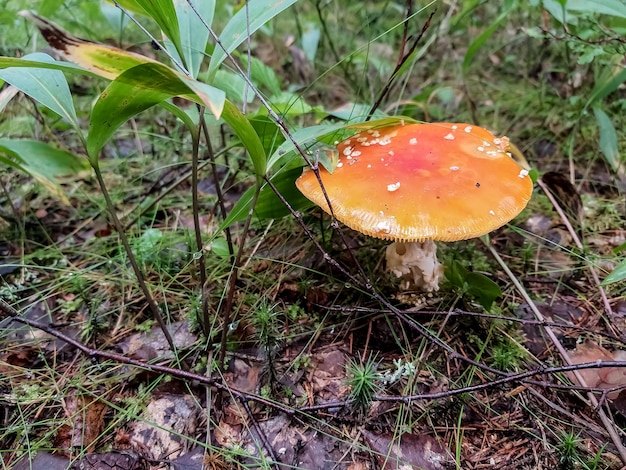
x: 441, y: 181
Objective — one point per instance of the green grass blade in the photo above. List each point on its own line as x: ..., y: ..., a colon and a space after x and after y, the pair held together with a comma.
x: 138, y: 89
x: 47, y: 87
x: 608, y: 138
x: 235, y: 32
x: 479, y: 42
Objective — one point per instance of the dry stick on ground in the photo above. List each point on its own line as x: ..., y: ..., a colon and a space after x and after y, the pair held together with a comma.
x: 521, y: 377
x: 606, y: 421
x: 464, y: 313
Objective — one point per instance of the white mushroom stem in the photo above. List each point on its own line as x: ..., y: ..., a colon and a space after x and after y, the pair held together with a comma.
x: 416, y: 263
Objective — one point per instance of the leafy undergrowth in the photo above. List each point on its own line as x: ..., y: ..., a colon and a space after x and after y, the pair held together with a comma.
x: 309, y: 354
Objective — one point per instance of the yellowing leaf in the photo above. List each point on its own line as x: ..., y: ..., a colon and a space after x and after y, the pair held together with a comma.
x: 105, y: 61
x: 110, y: 62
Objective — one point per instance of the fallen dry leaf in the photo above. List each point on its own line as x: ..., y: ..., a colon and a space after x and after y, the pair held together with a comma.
x: 601, y: 378
x: 409, y: 451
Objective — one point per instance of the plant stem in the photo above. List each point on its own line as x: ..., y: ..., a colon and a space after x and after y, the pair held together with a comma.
x: 195, y: 143
x: 232, y: 280
x: 156, y: 312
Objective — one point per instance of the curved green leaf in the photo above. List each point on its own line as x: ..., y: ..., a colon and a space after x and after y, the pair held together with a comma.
x: 47, y: 87
x: 136, y: 90
x: 245, y: 21
x: 608, y: 138
x: 248, y: 136
x: 269, y: 205
x: 42, y: 162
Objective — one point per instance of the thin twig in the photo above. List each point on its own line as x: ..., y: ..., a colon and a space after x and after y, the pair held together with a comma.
x: 606, y: 421
x: 403, y: 57
x: 522, y: 377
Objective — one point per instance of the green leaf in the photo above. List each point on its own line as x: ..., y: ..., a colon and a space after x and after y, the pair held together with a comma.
x: 136, y: 90
x: 164, y: 14
x: 193, y: 32
x: 43, y: 162
x: 269, y: 205
x: 58, y: 65
x: 618, y: 274
x: 305, y: 136
x: 47, y: 87
x: 248, y: 136
x: 608, y: 138
x: 604, y: 7
x: 246, y: 20
x: 262, y: 74
x: 607, y: 82
x: 39, y: 157
x: 233, y: 85
x: 478, y: 43
x: 476, y: 285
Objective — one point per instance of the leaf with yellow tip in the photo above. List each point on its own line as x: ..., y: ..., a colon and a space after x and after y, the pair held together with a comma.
x: 110, y: 62
x: 105, y: 61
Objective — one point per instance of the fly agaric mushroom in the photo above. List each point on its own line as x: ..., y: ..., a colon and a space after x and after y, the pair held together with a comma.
x: 417, y: 183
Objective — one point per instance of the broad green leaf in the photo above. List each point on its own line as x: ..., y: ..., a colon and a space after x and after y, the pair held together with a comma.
x: 618, y: 274
x: 6, y: 62
x: 42, y: 162
x: 603, y: 7
x: 131, y: 6
x: 164, y: 14
x: 268, y: 131
x: 193, y: 32
x: 608, y: 138
x: 478, y: 43
x: 246, y: 20
x: 310, y: 42
x: 476, y: 285
x: 136, y: 90
x: 115, y: 16
x: 248, y: 136
x: 303, y: 137
x: 262, y: 74
x: 269, y: 205
x: 47, y: 87
x: 355, y: 112
x: 233, y: 85
x: 109, y: 62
